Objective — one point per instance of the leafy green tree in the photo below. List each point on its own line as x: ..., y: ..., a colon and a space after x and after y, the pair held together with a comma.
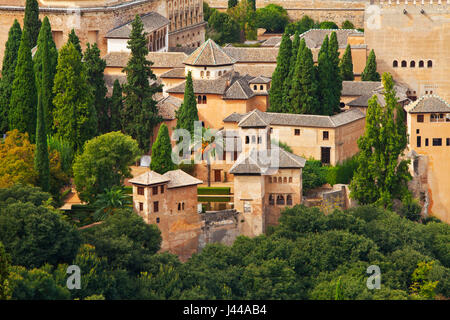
x: 125, y: 240
x: 5, y: 261
x: 328, y: 25
x: 162, y: 152
x: 346, y: 65
x: 31, y: 21
x: 272, y: 17
x: 110, y: 201
x: 326, y: 79
x: 232, y: 3
x: 347, y: 25
x: 73, y: 38
x: 300, y: 26
x: 370, y: 71
x: 95, y: 67
x: 45, y: 34
x: 314, y: 175
x: 23, y: 193
x: 22, y: 112
x: 381, y: 175
x: 140, y: 112
x: 280, y: 74
x: 187, y: 114
x: 336, y: 85
x: 207, y: 11
x: 244, y: 15
x: 115, y: 107
x: 422, y: 287
x: 222, y: 28
x: 252, y: 4
x: 104, y: 164
x: 74, y: 116
x: 8, y: 72
x: 41, y: 159
x: 35, y: 235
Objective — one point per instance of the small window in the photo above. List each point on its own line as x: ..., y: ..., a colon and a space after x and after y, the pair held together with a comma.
x: 412, y: 64
x: 279, y: 180
x: 271, y: 200
x: 261, y: 87
x: 430, y: 64
x: 290, y: 179
x: 179, y: 206
x: 289, y: 200
x: 395, y: 64
x: 403, y: 64
x: 297, y: 132
x: 220, y: 73
x: 207, y: 73
x: 421, y: 64
x: 255, y: 87
x: 247, y: 139
x: 417, y: 131
x: 140, y: 191
x: 325, y: 135
x: 285, y: 180
x: 141, y: 206
x: 437, y: 142
x: 420, y: 118
x: 259, y: 139
x: 157, y: 220
x: 182, y: 206
x: 270, y: 179
x: 426, y: 142
x: 162, y: 189
x: 419, y: 141
x: 204, y: 99
x: 155, y: 206
x: 199, y: 99
x: 253, y: 139
x: 202, y: 73
x: 280, y: 199
x: 447, y: 141
x: 155, y: 190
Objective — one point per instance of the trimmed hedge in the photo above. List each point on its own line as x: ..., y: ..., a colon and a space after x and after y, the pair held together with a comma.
x: 214, y: 199
x: 213, y: 190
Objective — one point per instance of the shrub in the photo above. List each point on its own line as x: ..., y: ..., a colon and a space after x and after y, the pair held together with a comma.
x: 314, y: 175
x: 343, y: 172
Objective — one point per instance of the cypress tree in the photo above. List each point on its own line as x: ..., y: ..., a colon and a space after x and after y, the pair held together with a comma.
x: 309, y: 101
x: 188, y: 113
x: 296, y: 86
x: 325, y: 79
x: 73, y: 38
x: 41, y: 160
x: 115, y: 107
x: 31, y: 22
x: 381, y: 175
x: 22, y: 110
x: 8, y: 70
x: 346, y: 65
x: 140, y: 113
x: 45, y: 34
x: 370, y: 71
x: 232, y: 3
x: 280, y: 74
x: 74, y: 116
x: 335, y: 74
x: 95, y: 67
x: 252, y: 4
x: 162, y: 152
x: 288, y: 81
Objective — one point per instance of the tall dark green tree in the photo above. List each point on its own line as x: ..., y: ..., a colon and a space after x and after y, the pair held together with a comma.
x: 292, y: 99
x: 140, y: 111
x: 74, y: 116
x: 41, y: 159
x: 309, y: 101
x: 382, y: 174
x: 325, y: 79
x: 346, y: 65
x: 232, y: 3
x: 370, y: 71
x: 336, y: 84
x: 252, y: 4
x: 115, y: 107
x: 31, y: 21
x: 73, y: 38
x: 280, y: 74
x: 187, y: 114
x: 52, y: 61
x: 22, y: 111
x: 8, y: 71
x: 95, y: 67
x: 162, y: 152
x: 288, y: 81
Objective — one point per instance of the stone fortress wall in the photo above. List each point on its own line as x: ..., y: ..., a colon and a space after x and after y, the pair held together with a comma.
x: 331, y: 10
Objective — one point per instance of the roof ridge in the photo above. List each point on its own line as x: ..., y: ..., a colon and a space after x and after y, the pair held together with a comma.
x: 289, y: 154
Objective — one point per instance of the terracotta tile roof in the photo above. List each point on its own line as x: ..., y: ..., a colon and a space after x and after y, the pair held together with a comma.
x: 209, y: 54
x: 167, y: 107
x: 217, y: 86
x: 257, y: 118
x: 149, y: 178
x: 239, y: 90
x: 428, y: 104
x: 159, y: 59
x: 151, y: 21
x: 179, y: 178
x: 266, y: 161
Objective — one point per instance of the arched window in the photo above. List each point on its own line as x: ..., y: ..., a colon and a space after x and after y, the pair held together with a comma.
x: 271, y: 200
x: 182, y: 206
x: 207, y: 73
x: 280, y: 199
x: 421, y: 64
x: 284, y: 180
x: 204, y: 99
x: 270, y: 179
x: 289, y: 200
x: 395, y: 64
x: 430, y: 64
x: 179, y: 206
x: 202, y: 73
x: 199, y: 99
x: 403, y: 64
x: 261, y: 87
x: 412, y: 64
x: 220, y: 73
x: 280, y: 180
x: 290, y: 179
x: 255, y: 87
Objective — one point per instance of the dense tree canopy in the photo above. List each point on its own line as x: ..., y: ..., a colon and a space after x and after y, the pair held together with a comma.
x: 272, y: 17
x: 280, y: 74
x: 162, y: 152
x: 222, y: 28
x: 31, y: 22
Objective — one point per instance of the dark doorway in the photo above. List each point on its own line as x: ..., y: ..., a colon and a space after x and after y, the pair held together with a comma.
x: 325, y: 155
x: 217, y: 175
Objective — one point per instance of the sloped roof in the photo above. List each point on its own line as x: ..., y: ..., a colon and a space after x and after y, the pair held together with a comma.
x: 245, y: 55
x: 216, y: 86
x: 159, y: 59
x: 167, y: 107
x: 174, y: 73
x: 260, y: 79
x: 209, y: 54
x: 151, y: 21
x: 256, y: 70
x: 254, y: 119
x: 358, y: 88
x: 239, y: 90
x: 429, y: 104
x: 179, y: 178
x: 149, y: 178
